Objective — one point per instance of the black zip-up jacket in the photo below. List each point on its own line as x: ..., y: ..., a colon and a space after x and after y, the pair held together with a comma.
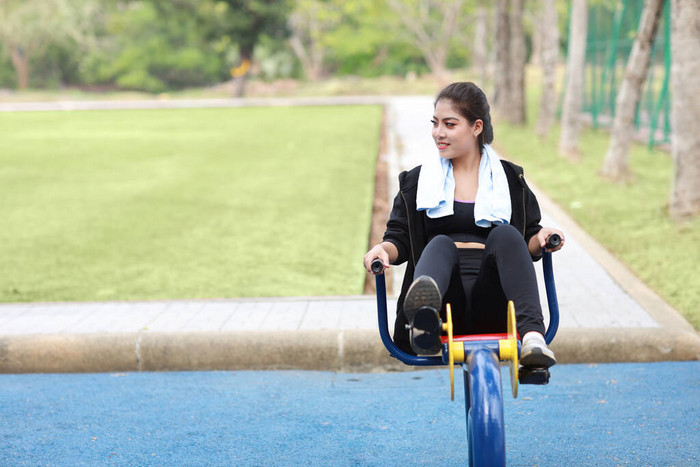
x: 406, y: 230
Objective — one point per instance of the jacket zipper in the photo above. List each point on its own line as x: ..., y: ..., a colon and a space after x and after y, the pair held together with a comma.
x: 410, y: 236
x: 524, y: 210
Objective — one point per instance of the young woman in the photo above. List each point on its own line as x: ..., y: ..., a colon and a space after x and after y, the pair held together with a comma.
x: 468, y: 226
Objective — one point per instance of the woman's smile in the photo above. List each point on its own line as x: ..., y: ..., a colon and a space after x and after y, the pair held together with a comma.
x: 452, y: 132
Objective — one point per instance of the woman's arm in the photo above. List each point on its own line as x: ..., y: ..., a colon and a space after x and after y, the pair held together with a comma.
x: 535, y: 235
x: 396, y: 236
x: 394, y: 247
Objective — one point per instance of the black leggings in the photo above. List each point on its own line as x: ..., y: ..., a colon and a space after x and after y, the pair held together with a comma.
x: 478, y: 283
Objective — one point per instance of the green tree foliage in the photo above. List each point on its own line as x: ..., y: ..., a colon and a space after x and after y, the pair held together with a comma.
x: 357, y: 37
x: 244, y: 23
x: 367, y: 43
x: 8, y: 78
x: 154, y: 46
x: 310, y: 24
x: 151, y: 45
x: 31, y: 28
x: 159, y: 45
x: 433, y: 27
x: 367, y: 38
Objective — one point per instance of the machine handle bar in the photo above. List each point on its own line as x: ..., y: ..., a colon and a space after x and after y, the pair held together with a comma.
x: 377, y: 267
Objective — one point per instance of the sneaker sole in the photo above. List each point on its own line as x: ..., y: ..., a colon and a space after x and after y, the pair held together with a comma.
x: 423, y: 293
x: 425, y: 332
x: 426, y: 344
x: 537, y: 359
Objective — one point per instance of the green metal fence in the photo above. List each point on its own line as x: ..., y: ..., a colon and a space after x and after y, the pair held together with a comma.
x: 612, y: 28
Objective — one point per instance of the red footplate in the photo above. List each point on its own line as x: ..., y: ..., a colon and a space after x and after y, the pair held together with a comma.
x: 476, y: 337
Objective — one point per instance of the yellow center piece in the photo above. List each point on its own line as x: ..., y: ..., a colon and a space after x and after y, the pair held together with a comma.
x: 450, y: 351
x: 508, y: 349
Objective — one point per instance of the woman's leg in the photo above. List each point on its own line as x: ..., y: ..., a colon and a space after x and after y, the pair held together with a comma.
x: 436, y: 281
x: 506, y: 273
x: 440, y: 261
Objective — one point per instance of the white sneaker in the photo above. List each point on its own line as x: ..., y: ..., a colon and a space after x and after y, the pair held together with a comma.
x: 535, y: 353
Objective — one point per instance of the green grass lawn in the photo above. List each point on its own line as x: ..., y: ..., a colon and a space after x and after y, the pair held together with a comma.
x: 161, y: 204
x: 165, y: 204
x: 630, y: 220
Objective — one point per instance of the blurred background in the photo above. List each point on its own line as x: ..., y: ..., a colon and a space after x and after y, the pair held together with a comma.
x: 263, y: 47
x: 191, y: 48
x: 582, y: 90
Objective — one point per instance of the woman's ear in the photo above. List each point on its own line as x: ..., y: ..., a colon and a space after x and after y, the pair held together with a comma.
x: 478, y: 127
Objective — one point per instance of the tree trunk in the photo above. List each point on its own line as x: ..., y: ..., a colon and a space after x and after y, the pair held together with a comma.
x: 501, y: 92
x: 311, y: 60
x: 538, y: 35
x: 491, y: 69
x: 239, y: 86
x: 573, y: 97
x: 516, y: 80
x: 318, y: 54
x: 239, y: 82
x: 20, y: 61
x: 437, y: 62
x: 685, y: 108
x: 549, y: 33
x: 615, y: 166
x: 433, y: 40
x: 307, y: 29
x: 480, y: 48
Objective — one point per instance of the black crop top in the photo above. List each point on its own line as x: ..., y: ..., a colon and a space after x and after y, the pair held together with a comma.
x: 460, y: 226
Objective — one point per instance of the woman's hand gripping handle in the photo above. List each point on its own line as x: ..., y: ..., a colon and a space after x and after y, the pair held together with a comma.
x: 548, y: 238
x: 385, y: 253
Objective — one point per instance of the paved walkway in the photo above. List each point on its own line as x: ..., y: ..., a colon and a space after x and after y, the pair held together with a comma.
x: 607, y: 315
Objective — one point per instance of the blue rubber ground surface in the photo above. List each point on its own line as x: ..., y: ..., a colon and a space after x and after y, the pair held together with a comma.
x: 618, y: 414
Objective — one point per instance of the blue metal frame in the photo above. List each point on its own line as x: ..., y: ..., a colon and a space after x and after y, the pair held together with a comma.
x: 552, y: 302
x: 386, y: 337
x: 483, y: 393
x: 484, y: 409
x: 409, y: 359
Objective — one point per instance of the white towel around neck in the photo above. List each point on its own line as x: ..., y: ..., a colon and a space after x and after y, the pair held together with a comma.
x: 436, y: 189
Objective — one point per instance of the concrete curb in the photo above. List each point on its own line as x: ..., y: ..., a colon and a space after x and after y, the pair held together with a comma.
x: 625, y: 345
x: 331, y: 350
x: 323, y: 350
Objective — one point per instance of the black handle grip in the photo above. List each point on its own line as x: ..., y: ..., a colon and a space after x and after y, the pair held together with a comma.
x: 553, y: 241
x: 377, y: 266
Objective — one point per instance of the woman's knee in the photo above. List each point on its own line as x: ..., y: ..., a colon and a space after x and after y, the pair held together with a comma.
x: 505, y: 233
x: 439, y: 260
x: 505, y: 239
x: 442, y: 244
x: 441, y: 239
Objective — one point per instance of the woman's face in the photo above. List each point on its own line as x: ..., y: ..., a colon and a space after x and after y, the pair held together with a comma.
x: 454, y: 136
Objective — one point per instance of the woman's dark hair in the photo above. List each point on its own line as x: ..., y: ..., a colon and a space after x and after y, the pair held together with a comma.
x: 471, y: 103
